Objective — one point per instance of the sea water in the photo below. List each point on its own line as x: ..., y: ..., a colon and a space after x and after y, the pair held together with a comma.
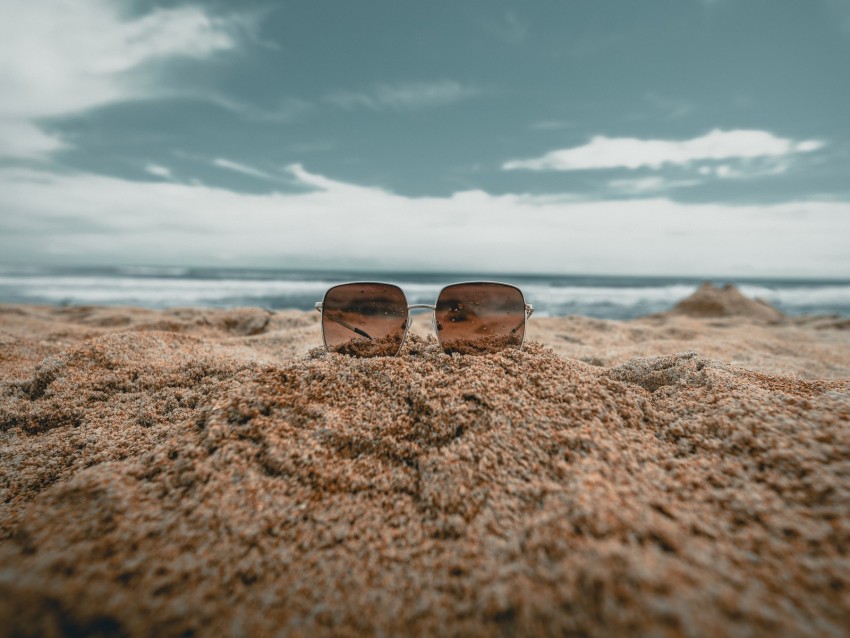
x: 610, y: 297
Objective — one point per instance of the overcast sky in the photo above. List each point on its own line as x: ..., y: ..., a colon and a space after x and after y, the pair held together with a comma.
x: 669, y: 137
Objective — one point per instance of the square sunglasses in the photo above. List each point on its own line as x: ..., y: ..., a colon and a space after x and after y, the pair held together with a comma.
x: 369, y: 319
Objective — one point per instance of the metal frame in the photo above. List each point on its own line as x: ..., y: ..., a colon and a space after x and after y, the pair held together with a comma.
x: 529, y: 309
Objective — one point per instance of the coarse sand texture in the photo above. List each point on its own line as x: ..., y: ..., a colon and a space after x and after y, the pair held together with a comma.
x: 206, y: 473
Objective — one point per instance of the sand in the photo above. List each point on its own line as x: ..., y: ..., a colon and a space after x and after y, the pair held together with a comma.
x: 200, y: 472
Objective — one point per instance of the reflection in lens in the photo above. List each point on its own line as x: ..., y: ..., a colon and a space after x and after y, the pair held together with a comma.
x: 364, y: 319
x: 480, y: 317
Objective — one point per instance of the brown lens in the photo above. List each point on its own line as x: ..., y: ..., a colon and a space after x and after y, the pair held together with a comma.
x: 364, y: 319
x: 477, y: 318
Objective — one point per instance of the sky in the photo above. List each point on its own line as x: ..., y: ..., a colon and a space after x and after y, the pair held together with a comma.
x: 661, y: 137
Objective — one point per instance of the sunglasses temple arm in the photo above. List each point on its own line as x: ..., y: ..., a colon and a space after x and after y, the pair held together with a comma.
x: 345, y: 324
x: 529, y: 309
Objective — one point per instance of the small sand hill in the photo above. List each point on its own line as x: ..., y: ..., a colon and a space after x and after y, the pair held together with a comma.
x: 154, y: 483
x: 712, y: 302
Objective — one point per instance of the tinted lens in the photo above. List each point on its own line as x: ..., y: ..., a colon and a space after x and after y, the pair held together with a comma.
x: 480, y: 317
x: 364, y: 320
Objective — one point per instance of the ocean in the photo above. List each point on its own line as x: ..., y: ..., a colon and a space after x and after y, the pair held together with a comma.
x: 606, y: 297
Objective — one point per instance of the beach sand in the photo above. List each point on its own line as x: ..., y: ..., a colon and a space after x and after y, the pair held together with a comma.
x: 211, y: 472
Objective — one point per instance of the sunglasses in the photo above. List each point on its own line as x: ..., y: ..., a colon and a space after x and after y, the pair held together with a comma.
x: 369, y: 319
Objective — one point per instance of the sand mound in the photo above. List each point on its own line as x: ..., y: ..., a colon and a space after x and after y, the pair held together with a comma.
x: 152, y: 486
x: 712, y: 301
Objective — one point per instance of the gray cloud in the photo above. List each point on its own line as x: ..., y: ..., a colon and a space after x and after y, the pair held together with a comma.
x: 403, y: 96
x: 75, y: 216
x: 75, y: 56
x: 628, y: 152
x: 244, y: 169
x: 158, y: 170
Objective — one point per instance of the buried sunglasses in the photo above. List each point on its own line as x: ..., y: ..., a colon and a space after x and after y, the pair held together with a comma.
x: 368, y: 319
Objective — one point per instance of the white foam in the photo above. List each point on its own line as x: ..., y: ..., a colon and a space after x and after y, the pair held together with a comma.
x: 166, y: 288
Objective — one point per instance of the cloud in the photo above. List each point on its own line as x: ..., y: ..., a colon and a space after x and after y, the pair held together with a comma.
x: 85, y: 218
x: 808, y: 146
x: 24, y: 140
x: 406, y: 96
x: 650, y: 184
x: 159, y: 171
x: 285, y: 110
x: 381, y: 97
x: 550, y: 125
x: 59, y: 57
x: 727, y: 171
x: 629, y: 152
x: 242, y: 168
